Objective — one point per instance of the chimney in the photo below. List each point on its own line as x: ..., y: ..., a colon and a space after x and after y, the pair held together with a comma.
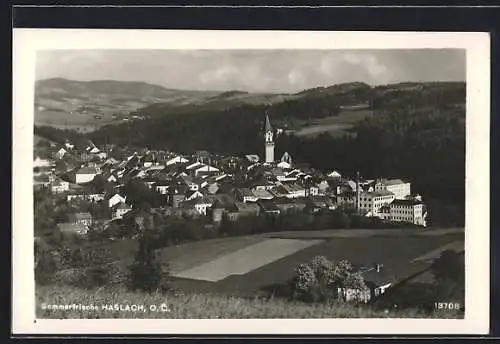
x: 378, y: 267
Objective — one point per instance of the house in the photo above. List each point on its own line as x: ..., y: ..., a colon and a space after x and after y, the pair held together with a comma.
x: 84, y: 218
x: 317, y: 203
x: 247, y: 209
x: 176, y: 160
x: 284, y: 165
x: 41, y: 162
x: 86, y: 174
x: 69, y: 146
x: 190, y: 195
x: 287, y: 205
x: 262, y: 185
x: 334, y: 175
x: 102, y: 155
x: 203, y: 203
x: 60, y: 153
x: 162, y: 187
x: 399, y: 188
x: 70, y: 228
x: 191, y: 183
x: 119, y: 210
x: 377, y: 282
x: 294, y: 190
x: 58, y: 186
x: 268, y: 208
x: 347, y: 199
x: 245, y: 195
x: 261, y: 194
x: 116, y: 199
x: 194, y: 165
x: 205, y: 168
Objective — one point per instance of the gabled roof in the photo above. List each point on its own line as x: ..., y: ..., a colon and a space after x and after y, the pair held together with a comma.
x: 390, y: 182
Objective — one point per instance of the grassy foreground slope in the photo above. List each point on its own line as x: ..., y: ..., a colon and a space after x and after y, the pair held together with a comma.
x: 203, y: 306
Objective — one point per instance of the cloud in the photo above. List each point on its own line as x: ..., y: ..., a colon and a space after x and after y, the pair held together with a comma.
x: 253, y: 70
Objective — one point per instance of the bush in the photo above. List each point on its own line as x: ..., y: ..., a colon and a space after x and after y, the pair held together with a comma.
x: 146, y: 273
x: 45, y: 267
x: 319, y: 280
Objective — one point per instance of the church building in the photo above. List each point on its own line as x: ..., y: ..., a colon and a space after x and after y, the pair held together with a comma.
x: 269, y: 141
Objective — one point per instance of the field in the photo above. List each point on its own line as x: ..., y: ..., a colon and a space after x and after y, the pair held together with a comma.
x: 246, y: 259
x: 252, y: 264
x: 247, y: 265
x: 335, y: 125
x: 234, y: 277
x: 202, y: 306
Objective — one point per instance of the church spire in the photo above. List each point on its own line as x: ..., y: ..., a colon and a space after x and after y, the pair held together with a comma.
x: 268, y: 124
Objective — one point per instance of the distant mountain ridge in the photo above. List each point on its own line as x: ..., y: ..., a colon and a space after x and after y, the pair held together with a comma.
x: 88, y: 105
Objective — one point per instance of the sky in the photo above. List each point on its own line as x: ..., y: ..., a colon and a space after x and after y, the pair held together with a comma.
x: 253, y: 70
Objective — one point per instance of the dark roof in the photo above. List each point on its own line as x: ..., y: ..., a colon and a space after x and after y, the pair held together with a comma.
x: 406, y: 202
x: 268, y: 206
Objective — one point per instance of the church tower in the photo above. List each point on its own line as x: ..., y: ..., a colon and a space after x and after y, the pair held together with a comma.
x: 269, y: 142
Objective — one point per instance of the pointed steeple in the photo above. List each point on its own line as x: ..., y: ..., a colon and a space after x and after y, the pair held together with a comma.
x: 268, y: 124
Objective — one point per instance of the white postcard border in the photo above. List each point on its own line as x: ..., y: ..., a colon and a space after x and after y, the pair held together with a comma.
x: 477, y: 45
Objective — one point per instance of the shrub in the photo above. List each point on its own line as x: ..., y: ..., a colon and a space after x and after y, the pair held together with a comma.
x: 146, y: 273
x: 320, y: 279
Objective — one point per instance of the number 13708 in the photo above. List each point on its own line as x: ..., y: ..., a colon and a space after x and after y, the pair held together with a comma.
x: 447, y: 306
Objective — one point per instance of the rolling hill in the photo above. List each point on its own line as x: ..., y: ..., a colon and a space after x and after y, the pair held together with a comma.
x: 88, y: 105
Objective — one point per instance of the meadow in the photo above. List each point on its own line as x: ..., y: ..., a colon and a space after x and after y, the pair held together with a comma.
x: 334, y: 125
x: 203, y: 306
x: 262, y: 263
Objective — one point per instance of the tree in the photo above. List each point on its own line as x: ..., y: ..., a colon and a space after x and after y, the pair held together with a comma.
x: 320, y: 279
x: 146, y: 273
x: 449, y: 274
x: 449, y: 267
x: 45, y: 265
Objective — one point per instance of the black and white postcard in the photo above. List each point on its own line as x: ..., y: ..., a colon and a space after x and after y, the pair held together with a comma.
x: 250, y: 182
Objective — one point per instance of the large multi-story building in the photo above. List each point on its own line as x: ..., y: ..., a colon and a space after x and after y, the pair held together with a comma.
x: 409, y: 210
x: 399, y: 188
x: 371, y: 202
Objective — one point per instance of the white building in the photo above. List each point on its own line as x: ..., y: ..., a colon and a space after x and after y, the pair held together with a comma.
x: 86, y: 174
x: 334, y: 174
x: 59, y: 186
x: 39, y: 162
x: 203, y: 203
x: 370, y: 203
x: 176, y: 160
x: 116, y: 199
x: 269, y: 142
x: 399, y: 188
x: 120, y: 210
x: 60, y: 153
x: 206, y: 168
x: 412, y: 211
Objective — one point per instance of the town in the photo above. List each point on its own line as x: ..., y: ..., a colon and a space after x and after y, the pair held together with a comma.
x: 211, y: 186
